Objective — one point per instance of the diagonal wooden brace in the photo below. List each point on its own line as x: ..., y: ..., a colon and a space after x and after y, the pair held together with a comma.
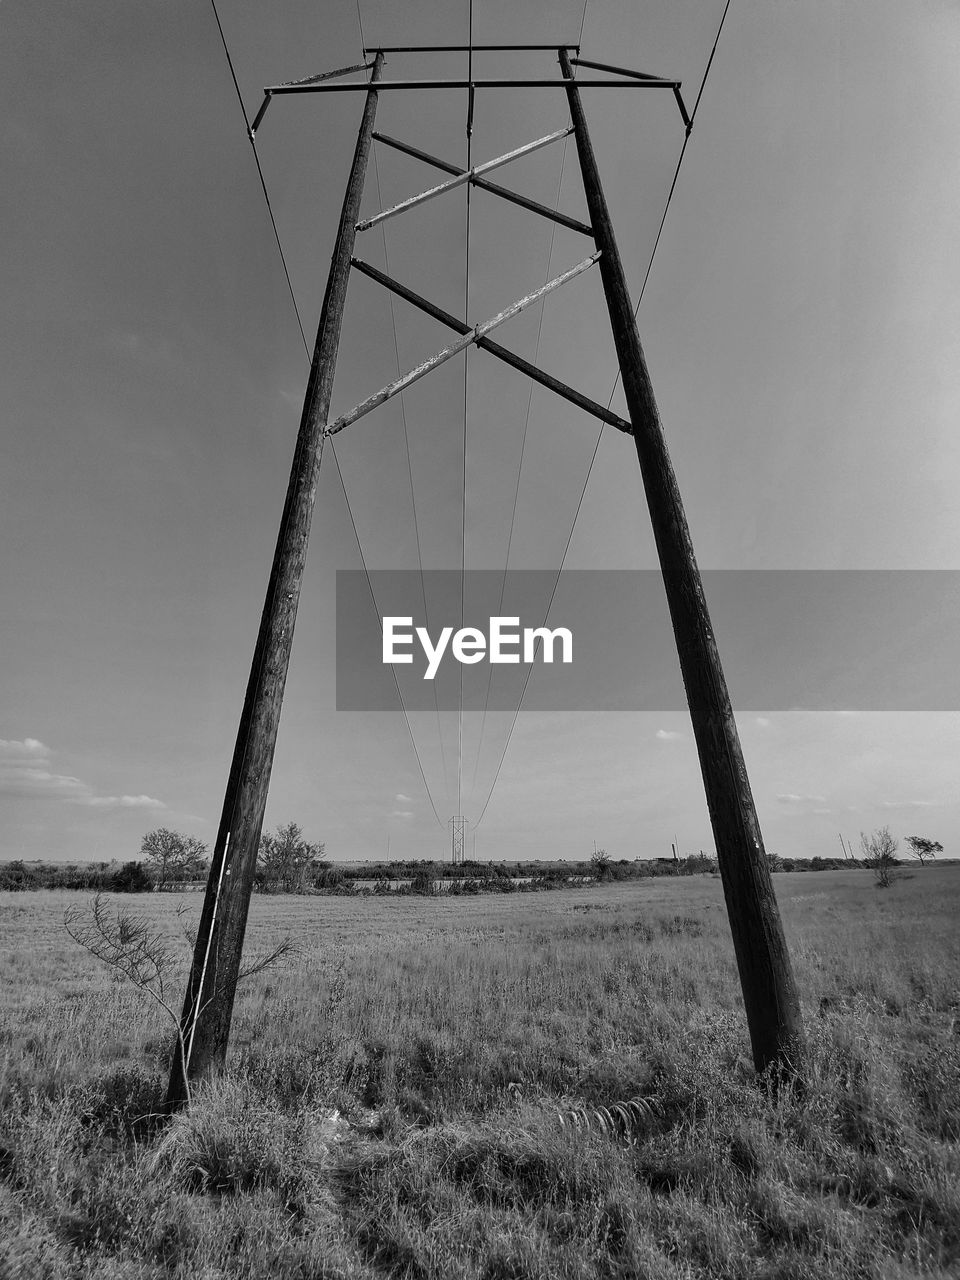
x: 495, y: 349
x: 400, y: 384
x: 468, y: 175
x: 554, y: 215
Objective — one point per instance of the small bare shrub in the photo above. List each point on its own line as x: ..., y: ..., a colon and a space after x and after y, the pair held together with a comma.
x: 131, y: 945
x: 880, y: 855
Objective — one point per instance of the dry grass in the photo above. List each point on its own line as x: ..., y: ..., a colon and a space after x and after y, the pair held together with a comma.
x: 400, y: 1097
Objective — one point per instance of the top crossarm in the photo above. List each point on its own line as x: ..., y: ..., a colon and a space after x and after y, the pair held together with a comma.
x: 323, y: 75
x: 514, y: 83
x: 643, y: 76
x: 463, y: 48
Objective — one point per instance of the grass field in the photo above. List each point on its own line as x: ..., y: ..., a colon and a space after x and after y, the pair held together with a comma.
x: 429, y: 1089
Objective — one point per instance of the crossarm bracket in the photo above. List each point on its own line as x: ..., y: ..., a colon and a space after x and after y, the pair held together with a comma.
x: 641, y: 75
x: 324, y: 75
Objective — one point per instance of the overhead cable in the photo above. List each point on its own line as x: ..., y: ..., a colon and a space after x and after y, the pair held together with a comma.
x: 593, y: 459
x: 226, y: 50
x: 263, y: 182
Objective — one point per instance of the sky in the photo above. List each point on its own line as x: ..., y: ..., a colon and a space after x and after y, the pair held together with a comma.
x: 801, y: 326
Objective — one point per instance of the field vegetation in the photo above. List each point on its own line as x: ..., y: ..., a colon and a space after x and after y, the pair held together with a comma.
x: 500, y: 1087
x: 287, y: 863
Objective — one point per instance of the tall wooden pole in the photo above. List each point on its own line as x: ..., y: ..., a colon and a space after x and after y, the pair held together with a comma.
x: 769, y: 990
x: 208, y: 1006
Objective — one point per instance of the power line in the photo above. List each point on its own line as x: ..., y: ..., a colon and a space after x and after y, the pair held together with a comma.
x: 376, y: 607
x: 413, y: 495
x: 583, y: 18
x: 465, y: 393
x: 516, y: 714
x: 466, y: 390
x: 257, y: 673
x: 513, y: 517
x: 523, y: 445
x: 262, y: 657
x: 673, y: 184
x: 716, y: 41
x: 276, y: 236
x: 306, y: 348
x: 516, y: 494
x: 263, y: 184
x: 636, y: 312
x: 413, y: 500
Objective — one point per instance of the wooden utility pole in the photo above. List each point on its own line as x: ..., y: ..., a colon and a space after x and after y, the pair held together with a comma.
x: 769, y: 990
x: 208, y: 1006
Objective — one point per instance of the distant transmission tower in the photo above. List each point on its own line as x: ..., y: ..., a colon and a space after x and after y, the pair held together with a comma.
x: 456, y: 839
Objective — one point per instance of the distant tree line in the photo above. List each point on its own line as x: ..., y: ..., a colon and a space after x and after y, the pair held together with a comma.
x: 171, y: 861
x: 103, y: 877
x: 168, y: 860
x: 289, y: 863
x: 776, y: 863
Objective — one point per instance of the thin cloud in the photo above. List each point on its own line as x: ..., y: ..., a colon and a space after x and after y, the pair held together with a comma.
x: 143, y: 348
x: 26, y: 770
x: 906, y: 804
x: 401, y: 813
x: 28, y: 749
x: 790, y: 797
x: 125, y: 802
x: 762, y: 722
x: 668, y: 735
x: 402, y: 799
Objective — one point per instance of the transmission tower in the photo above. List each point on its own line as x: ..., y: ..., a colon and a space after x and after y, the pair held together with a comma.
x: 770, y: 994
x: 456, y: 839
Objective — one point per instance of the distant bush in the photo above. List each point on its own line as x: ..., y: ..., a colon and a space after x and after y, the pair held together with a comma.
x: 921, y: 847
x: 17, y: 876
x: 880, y: 855
x: 106, y: 877
x: 697, y: 864
x: 343, y: 888
x: 286, y: 862
x: 329, y: 877
x: 172, y: 857
x: 424, y: 884
x: 132, y: 877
